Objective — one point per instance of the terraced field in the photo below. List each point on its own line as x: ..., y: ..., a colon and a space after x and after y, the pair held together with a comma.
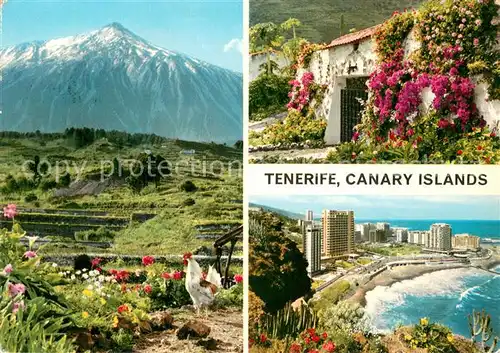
x: 92, y: 216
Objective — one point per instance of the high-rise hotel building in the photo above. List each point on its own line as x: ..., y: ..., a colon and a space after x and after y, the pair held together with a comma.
x: 440, y: 236
x: 338, y: 233
x: 312, y: 247
x: 309, y: 216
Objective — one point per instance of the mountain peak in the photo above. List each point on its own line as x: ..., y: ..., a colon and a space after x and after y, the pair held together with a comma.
x: 115, y: 29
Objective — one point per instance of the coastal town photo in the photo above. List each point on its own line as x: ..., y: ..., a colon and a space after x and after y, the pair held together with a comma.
x: 374, y: 274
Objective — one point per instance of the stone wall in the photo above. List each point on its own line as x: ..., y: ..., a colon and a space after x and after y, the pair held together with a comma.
x: 258, y: 59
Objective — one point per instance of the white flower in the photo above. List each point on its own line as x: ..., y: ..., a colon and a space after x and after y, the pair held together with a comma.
x: 90, y: 287
x: 84, y: 270
x: 108, y: 295
x: 85, y: 276
x: 54, y: 265
x: 101, y: 278
x: 61, y: 274
x: 73, y: 277
x: 78, y: 272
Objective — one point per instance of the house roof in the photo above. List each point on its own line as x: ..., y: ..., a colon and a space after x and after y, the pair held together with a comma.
x: 353, y: 37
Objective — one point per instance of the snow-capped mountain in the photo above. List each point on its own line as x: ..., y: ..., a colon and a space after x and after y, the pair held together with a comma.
x: 115, y: 80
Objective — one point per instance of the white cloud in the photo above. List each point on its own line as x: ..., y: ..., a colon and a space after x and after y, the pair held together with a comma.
x: 234, y: 44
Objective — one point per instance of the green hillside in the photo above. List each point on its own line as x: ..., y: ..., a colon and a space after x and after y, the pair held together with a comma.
x: 321, y: 18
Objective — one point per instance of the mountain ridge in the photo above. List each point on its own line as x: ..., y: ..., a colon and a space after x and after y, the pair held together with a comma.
x: 113, y: 79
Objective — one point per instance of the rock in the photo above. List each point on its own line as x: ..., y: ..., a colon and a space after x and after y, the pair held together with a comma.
x: 84, y: 341
x: 161, y: 321
x: 193, y: 329
x: 209, y: 344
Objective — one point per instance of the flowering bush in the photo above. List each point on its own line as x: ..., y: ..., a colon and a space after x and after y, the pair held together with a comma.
x: 312, y: 341
x: 434, y: 337
x: 395, y: 123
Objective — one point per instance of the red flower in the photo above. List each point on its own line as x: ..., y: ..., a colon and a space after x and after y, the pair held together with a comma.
x: 295, y: 348
x: 98, y: 269
x: 238, y: 278
x: 96, y: 261
x: 329, y: 346
x: 123, y: 308
x: 123, y: 287
x: 263, y: 338
x: 113, y: 272
x: 460, y: 152
x: 148, y: 289
x: 148, y: 260
x: 479, y: 148
x: 166, y: 275
x: 493, y: 134
x: 122, y: 275
x: 325, y: 335
x: 315, y: 338
x: 177, y: 275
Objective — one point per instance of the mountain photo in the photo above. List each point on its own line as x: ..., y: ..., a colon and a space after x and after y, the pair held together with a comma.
x: 113, y: 79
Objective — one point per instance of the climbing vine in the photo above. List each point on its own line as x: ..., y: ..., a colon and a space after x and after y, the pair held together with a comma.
x: 390, y: 36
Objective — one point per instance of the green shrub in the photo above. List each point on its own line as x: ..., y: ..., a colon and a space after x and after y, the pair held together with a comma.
x: 188, y: 186
x: 435, y: 337
x: 123, y: 340
x: 346, y: 317
x: 232, y: 297
x: 100, y: 234
x: 268, y: 94
x: 295, y: 128
x: 65, y: 180
x: 48, y: 184
x: 277, y: 267
x: 188, y: 202
x: 30, y: 197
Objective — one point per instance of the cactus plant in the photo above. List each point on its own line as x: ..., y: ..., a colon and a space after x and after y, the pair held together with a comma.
x: 480, y: 324
x: 288, y: 322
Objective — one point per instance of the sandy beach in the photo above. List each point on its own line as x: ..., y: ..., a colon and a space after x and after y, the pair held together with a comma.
x: 398, y: 274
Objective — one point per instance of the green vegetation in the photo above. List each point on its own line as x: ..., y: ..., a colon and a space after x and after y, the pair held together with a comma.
x: 277, y: 267
x: 331, y: 295
x: 393, y: 249
x: 322, y: 21
x: 152, y: 216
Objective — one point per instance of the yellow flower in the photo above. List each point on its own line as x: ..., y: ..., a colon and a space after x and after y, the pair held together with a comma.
x: 87, y: 292
x: 450, y: 338
x: 408, y: 337
x: 85, y: 314
x: 115, y: 321
x: 424, y: 321
x: 103, y: 301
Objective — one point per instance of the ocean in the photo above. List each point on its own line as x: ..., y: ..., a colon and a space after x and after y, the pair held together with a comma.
x: 483, y: 229
x: 447, y: 297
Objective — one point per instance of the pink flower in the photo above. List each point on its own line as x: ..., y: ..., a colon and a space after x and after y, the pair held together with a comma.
x: 29, y: 254
x: 10, y: 211
x: 478, y: 22
x: 476, y: 42
x: 8, y: 270
x: 238, y: 278
x: 15, y: 289
x: 18, y: 305
x: 96, y: 261
x: 148, y: 260
x: 329, y: 346
x: 148, y: 289
x: 355, y: 136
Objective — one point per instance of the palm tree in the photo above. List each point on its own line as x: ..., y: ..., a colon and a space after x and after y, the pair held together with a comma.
x: 267, y: 37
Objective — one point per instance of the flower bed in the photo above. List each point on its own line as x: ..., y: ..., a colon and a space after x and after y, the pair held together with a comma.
x: 94, y: 306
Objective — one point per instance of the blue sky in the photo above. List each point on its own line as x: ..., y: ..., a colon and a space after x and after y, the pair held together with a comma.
x: 392, y: 207
x: 207, y: 30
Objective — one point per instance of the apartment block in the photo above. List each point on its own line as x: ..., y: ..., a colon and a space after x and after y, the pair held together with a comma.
x: 440, y: 236
x: 465, y: 242
x: 312, y: 247
x: 338, y: 232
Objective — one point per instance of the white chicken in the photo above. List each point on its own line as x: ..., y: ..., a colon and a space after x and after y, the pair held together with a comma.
x: 202, y: 290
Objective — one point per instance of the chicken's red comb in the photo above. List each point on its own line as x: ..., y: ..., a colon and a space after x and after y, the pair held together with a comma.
x: 187, y: 256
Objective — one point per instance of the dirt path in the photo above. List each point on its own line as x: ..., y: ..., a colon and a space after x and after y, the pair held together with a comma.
x: 226, y: 329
